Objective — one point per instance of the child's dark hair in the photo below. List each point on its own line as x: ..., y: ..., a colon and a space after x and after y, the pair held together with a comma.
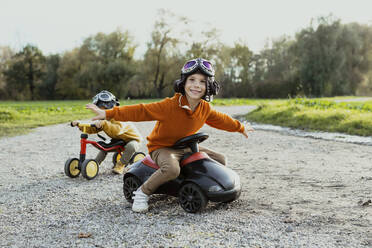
x: 212, y: 86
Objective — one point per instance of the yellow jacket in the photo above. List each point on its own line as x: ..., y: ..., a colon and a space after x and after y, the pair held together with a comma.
x: 117, y: 130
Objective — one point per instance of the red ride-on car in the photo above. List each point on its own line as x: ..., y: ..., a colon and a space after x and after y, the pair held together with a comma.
x: 89, y: 167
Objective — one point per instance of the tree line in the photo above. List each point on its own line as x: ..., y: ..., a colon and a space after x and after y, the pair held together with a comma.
x: 327, y: 58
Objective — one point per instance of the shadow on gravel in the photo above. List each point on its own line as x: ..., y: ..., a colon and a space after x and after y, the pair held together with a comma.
x: 160, y: 203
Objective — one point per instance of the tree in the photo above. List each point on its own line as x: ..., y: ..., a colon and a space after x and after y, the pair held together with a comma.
x: 365, y: 87
x: 332, y: 58
x: 279, y: 71
x: 47, y: 88
x: 26, y: 68
x: 237, y: 65
x: 354, y: 46
x: 162, y: 52
x: 208, y: 46
x: 106, y: 62
x: 6, y: 53
x: 68, y: 86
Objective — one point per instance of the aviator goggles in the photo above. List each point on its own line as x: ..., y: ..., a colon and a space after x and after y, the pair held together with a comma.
x: 204, y: 65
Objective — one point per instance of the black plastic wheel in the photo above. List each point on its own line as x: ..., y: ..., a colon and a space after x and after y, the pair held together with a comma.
x: 72, y: 167
x: 192, y: 198
x: 131, y: 184
x: 89, y: 169
x: 136, y: 157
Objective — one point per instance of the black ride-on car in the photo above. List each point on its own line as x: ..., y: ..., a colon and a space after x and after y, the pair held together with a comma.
x: 202, y: 179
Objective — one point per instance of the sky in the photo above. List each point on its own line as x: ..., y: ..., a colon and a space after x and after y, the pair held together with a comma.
x: 58, y: 26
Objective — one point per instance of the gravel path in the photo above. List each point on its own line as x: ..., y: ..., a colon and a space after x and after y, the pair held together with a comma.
x: 297, y: 192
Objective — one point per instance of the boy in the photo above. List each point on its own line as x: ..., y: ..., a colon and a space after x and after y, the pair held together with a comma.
x: 116, y: 130
x: 177, y: 117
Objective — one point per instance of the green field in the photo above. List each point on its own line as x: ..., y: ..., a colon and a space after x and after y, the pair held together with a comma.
x: 349, y: 117
x: 322, y: 114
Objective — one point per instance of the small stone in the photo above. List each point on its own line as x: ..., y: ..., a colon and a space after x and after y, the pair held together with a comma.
x: 289, y: 229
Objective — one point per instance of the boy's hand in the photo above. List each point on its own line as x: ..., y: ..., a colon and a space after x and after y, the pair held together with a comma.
x: 74, y: 123
x: 100, y: 113
x: 247, y: 129
x: 98, y: 124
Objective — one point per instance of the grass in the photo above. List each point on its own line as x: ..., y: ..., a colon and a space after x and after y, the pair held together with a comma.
x: 353, y: 118
x: 239, y: 101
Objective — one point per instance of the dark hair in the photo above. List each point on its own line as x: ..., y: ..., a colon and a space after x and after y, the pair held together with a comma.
x: 107, y: 105
x: 211, y: 90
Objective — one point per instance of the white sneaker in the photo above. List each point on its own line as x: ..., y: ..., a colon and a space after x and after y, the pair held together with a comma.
x: 140, y: 201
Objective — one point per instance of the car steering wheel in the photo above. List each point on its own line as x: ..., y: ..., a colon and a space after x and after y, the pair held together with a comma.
x: 191, y: 141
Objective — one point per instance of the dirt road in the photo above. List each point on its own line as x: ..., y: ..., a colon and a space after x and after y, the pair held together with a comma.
x: 297, y: 192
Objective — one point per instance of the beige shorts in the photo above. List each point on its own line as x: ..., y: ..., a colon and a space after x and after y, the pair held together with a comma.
x: 168, y: 160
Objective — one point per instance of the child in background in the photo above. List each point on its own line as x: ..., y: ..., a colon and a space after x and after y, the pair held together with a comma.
x: 177, y: 117
x: 116, y: 130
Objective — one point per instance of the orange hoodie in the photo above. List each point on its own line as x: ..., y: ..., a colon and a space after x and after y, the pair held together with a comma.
x: 174, y: 121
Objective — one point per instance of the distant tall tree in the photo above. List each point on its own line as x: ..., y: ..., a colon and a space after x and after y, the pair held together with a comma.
x: 162, y: 51
x: 68, y: 85
x: 242, y: 61
x: 278, y: 65
x: 107, y: 62
x: 208, y: 46
x: 6, y: 53
x: 332, y: 58
x: 365, y: 88
x: 47, y: 89
x: 26, y: 69
x: 355, y: 46
x: 235, y: 70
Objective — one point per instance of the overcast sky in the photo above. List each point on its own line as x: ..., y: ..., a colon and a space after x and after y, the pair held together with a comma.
x: 56, y: 26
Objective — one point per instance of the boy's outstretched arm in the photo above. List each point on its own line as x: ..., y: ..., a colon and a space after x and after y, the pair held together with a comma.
x: 100, y: 113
